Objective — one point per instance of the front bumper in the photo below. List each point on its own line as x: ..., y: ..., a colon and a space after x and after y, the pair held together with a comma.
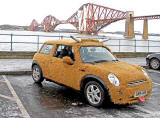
x: 125, y: 94
x: 147, y: 61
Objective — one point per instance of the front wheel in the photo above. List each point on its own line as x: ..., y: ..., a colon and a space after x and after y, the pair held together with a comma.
x: 94, y: 93
x: 37, y: 74
x: 155, y: 64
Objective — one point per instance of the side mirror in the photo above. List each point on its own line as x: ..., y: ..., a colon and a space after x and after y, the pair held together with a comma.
x: 68, y: 60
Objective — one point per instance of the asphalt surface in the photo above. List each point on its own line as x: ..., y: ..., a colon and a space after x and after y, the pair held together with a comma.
x: 20, y: 97
x: 23, y: 66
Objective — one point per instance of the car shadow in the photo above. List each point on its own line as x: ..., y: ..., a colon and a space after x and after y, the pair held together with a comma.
x: 54, y: 96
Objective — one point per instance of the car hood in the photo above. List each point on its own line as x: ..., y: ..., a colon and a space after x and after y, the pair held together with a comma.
x: 153, y: 54
x: 123, y: 70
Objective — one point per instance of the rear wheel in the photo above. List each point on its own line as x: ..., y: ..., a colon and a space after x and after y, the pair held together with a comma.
x: 37, y: 74
x: 94, y: 93
x: 155, y: 63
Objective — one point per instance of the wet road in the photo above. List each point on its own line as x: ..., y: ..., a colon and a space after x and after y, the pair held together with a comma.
x: 20, y: 97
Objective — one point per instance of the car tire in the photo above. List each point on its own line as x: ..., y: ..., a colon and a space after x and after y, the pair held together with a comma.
x: 154, y: 63
x: 94, y: 94
x: 37, y: 74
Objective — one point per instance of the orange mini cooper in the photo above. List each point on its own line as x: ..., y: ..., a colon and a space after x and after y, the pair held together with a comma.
x: 89, y: 66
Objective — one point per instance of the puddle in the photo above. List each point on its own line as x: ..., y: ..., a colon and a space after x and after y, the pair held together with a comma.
x: 53, y: 96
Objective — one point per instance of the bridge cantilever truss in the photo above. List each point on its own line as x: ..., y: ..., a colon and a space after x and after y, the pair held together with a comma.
x: 89, y: 18
x: 34, y: 25
x: 48, y: 24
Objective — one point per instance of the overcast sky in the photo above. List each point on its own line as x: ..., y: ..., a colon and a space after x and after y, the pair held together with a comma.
x: 21, y: 12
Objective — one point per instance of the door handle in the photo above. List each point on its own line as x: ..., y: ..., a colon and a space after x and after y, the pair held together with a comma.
x: 82, y: 69
x: 51, y: 61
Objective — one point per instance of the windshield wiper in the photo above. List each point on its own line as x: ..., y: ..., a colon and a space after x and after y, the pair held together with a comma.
x: 98, y: 61
x: 89, y: 62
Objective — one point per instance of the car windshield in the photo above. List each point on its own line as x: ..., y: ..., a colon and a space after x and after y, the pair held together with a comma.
x: 93, y: 54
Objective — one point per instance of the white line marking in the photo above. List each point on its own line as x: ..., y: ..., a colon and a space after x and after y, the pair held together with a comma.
x: 151, y: 115
x: 2, y: 81
x: 143, y: 109
x: 155, y: 71
x: 7, y: 97
x: 19, y: 103
x: 156, y: 83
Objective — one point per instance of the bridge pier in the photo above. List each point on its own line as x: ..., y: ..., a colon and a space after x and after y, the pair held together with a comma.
x: 145, y: 29
x: 129, y: 26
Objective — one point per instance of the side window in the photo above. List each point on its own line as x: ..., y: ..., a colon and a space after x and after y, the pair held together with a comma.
x: 46, y: 49
x: 64, y: 50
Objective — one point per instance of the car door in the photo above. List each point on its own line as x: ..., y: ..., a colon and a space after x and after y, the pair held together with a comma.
x: 73, y: 74
x: 44, y: 58
x: 55, y: 65
x: 70, y: 72
x: 62, y: 72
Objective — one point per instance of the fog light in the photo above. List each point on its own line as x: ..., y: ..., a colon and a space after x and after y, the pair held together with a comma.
x: 120, y: 99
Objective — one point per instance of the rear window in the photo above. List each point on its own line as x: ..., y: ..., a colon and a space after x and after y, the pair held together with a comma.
x: 46, y: 49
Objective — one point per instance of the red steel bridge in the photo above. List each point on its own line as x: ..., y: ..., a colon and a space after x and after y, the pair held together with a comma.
x: 91, y: 18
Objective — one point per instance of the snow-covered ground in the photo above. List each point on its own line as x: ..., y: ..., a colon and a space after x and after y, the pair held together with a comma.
x: 29, y: 43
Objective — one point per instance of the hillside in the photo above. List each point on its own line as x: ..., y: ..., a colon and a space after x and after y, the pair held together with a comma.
x: 13, y: 27
x: 25, y: 28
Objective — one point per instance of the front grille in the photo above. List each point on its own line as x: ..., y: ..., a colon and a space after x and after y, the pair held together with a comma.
x: 136, y: 82
x: 132, y: 98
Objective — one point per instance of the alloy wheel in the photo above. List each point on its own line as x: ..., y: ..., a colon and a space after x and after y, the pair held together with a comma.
x: 36, y: 73
x: 93, y: 94
x: 155, y: 64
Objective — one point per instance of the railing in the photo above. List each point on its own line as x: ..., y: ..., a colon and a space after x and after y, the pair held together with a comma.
x: 17, y: 42
x: 133, y: 45
x: 33, y: 39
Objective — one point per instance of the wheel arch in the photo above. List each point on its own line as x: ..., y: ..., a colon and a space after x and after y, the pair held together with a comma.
x: 88, y: 78
x: 35, y: 63
x: 154, y: 58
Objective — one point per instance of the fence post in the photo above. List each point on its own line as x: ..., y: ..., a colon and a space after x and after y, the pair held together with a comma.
x: 148, y: 45
x: 61, y: 37
x: 11, y: 49
x: 37, y: 42
x: 135, y: 45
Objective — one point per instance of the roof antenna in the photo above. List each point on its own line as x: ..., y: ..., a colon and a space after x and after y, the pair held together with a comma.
x: 77, y: 40
x: 104, y: 40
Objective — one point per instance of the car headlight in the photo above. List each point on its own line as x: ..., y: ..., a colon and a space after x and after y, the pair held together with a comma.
x: 145, y: 73
x: 113, y: 79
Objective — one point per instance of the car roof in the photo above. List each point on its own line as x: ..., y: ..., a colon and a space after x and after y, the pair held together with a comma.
x: 61, y: 41
x: 72, y: 42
